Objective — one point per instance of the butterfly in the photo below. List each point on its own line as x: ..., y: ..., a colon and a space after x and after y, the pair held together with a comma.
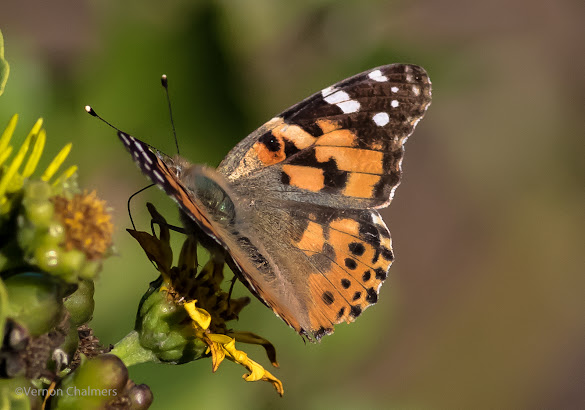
x: 294, y: 205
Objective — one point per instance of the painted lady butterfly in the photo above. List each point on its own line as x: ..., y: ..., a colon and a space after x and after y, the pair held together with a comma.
x: 293, y: 205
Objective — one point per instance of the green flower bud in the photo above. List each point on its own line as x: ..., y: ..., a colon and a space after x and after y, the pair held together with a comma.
x: 39, y: 213
x: 35, y: 301
x: 164, y: 330
x: 47, y: 257
x: 56, y: 232
x: 94, y: 384
x: 80, y: 304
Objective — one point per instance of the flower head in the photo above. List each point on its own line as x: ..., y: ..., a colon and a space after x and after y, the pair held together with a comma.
x: 88, y: 225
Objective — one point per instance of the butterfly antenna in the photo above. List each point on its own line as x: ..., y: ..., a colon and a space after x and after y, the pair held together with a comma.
x: 165, y: 83
x: 91, y: 112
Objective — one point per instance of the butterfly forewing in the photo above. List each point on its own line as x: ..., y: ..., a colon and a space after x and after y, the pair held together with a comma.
x: 345, y: 141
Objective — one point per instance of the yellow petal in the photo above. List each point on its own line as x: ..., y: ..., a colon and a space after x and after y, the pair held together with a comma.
x: 200, y: 316
x: 8, y: 131
x: 13, y: 167
x: 5, y: 154
x: 257, y: 372
x: 35, y: 156
x: 56, y: 163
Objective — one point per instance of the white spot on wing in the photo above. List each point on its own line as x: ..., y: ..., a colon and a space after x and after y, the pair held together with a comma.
x: 377, y: 75
x: 146, y: 157
x: 337, y: 97
x: 416, y: 90
x: 147, y: 166
x: 409, y: 78
x: 158, y: 175
x: 341, y: 99
x: 394, y: 103
x: 124, y: 139
x: 381, y: 119
x: 349, y: 106
x: 139, y: 146
x: 394, y: 89
x: 377, y: 219
x: 326, y: 91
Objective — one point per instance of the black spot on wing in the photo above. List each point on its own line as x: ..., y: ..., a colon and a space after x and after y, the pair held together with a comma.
x: 270, y: 142
x: 350, y: 263
x: 328, y: 297
x: 355, y: 311
x: 357, y: 248
x: 381, y: 274
x: 372, y: 296
x: 366, y: 276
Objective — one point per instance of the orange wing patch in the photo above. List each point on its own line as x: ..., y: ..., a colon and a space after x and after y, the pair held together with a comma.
x: 337, y: 138
x: 311, y: 179
x: 361, y: 185
x: 313, y: 238
x: 328, y: 125
x: 352, y: 159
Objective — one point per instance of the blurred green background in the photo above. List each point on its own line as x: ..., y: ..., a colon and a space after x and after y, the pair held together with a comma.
x: 485, y: 304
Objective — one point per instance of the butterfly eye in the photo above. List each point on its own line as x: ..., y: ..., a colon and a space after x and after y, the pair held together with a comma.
x: 214, y: 198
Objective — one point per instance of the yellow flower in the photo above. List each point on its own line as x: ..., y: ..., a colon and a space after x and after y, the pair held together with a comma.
x: 12, y: 176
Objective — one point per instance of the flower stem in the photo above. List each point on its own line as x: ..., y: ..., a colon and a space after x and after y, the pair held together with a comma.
x: 131, y: 352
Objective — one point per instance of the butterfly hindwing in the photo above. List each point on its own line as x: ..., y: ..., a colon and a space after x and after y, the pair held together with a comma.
x: 315, y: 266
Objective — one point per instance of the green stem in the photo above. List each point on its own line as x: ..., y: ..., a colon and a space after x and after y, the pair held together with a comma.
x: 131, y: 352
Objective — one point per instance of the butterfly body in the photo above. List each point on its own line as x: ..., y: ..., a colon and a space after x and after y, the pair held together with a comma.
x: 294, y: 205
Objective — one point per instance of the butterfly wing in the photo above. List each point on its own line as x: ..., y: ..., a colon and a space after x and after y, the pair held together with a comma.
x: 315, y: 266
x: 344, y: 143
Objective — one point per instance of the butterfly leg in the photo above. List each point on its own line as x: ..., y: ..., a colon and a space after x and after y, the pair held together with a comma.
x: 157, y: 218
x: 232, y: 284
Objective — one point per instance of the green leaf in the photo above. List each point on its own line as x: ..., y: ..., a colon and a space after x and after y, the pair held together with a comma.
x: 4, y: 67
